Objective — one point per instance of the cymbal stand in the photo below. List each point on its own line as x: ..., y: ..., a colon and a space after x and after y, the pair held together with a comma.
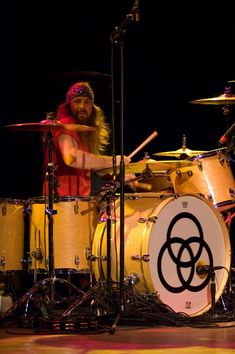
x: 50, y: 214
x: 226, y: 109
x: 47, y: 284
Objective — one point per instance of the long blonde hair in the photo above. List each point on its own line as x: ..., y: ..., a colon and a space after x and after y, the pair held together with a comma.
x: 97, y: 140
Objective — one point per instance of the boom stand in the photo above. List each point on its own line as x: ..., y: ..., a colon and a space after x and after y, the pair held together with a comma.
x: 50, y: 281
x: 117, y: 38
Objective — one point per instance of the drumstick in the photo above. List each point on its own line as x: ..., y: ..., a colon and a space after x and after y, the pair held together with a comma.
x: 143, y: 144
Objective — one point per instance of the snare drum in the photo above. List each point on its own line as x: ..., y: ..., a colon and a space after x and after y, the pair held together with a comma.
x: 211, y: 176
x: 166, y: 239
x: 159, y: 183
x: 12, y: 234
x: 74, y: 224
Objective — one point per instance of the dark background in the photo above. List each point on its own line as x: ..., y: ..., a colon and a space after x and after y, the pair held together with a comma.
x: 175, y: 53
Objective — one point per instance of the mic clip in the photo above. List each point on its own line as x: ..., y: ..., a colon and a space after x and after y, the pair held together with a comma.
x: 206, y: 269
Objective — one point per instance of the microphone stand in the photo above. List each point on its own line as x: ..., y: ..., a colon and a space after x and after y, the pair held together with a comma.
x: 117, y: 37
x: 213, y: 291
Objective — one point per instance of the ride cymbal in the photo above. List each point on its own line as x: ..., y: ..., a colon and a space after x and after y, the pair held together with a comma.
x: 178, y: 153
x: 142, y: 167
x: 224, y: 99
x: 48, y: 124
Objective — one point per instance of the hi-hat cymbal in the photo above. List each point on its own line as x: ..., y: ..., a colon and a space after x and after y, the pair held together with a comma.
x: 48, y: 124
x: 181, y: 152
x: 142, y: 166
x: 224, y: 99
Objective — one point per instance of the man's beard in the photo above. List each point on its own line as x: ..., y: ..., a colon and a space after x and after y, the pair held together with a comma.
x: 82, y: 117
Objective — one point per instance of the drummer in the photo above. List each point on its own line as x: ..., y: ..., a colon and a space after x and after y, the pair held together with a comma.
x: 76, y: 153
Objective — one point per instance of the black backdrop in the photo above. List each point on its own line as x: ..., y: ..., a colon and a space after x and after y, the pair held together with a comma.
x: 175, y: 53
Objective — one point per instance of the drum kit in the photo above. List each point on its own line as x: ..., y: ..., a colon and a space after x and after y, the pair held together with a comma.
x: 169, y: 232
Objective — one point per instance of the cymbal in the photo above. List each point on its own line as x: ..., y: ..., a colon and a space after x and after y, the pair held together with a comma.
x: 142, y: 166
x: 83, y: 75
x: 180, y: 152
x: 48, y: 124
x: 224, y: 99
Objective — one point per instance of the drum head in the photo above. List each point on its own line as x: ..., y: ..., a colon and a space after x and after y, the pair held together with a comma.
x: 167, y: 238
x: 189, y: 233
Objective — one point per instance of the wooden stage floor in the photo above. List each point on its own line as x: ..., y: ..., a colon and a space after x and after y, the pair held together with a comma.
x: 84, y: 320
x: 146, y: 328
x: 126, y: 339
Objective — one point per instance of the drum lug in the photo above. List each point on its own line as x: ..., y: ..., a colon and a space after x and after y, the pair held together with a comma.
x: 190, y: 173
x: 153, y: 219
x: 4, y: 211
x: 142, y: 220
x: 210, y: 198
x: 200, y: 167
x: 88, y: 253
x: 178, y: 172
x: 76, y: 209
x: 76, y: 260
x: 231, y: 192
x: 144, y: 258
x: 94, y: 258
x: 2, y: 261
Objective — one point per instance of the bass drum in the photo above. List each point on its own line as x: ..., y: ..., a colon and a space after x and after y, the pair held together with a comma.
x: 12, y: 234
x: 74, y: 225
x: 166, y: 239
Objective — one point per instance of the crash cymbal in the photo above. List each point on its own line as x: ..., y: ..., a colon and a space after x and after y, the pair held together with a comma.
x: 224, y: 99
x: 48, y: 124
x: 178, y: 153
x: 156, y: 166
x: 83, y: 75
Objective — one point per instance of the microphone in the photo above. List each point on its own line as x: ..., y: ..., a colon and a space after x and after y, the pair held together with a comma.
x: 227, y: 136
x: 136, y: 10
x: 205, y: 269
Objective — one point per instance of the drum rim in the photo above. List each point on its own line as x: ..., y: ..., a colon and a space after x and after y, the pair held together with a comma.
x: 44, y: 199
x: 12, y: 201
x: 209, y: 153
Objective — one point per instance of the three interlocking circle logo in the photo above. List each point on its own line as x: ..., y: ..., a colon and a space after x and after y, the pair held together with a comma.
x: 185, y: 255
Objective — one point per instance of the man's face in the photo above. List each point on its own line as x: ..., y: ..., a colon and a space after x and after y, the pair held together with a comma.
x: 81, y: 108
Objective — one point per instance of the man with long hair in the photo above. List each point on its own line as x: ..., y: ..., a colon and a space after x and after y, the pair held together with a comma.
x: 76, y: 153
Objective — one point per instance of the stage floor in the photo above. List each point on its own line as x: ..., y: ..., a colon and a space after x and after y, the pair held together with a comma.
x: 126, y: 339
x: 87, y: 321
